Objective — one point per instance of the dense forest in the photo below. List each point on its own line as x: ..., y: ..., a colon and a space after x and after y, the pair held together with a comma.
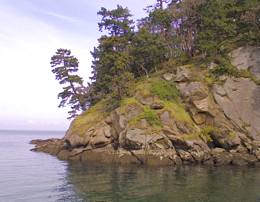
x: 173, y: 32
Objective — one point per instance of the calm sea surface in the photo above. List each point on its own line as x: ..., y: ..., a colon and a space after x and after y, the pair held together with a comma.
x: 31, y: 177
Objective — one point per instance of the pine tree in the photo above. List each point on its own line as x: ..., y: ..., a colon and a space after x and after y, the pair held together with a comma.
x: 148, y: 51
x: 117, y: 21
x: 73, y: 95
x: 111, y: 57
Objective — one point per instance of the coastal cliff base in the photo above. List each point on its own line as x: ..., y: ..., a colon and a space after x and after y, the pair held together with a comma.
x: 181, y: 115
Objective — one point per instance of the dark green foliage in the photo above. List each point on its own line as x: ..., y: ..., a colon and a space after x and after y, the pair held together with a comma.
x: 111, y: 70
x: 160, y: 21
x: 182, y: 31
x: 217, y: 25
x: 249, y: 21
x: 64, y: 67
x: 147, y: 51
x: 226, y: 22
x: 117, y: 21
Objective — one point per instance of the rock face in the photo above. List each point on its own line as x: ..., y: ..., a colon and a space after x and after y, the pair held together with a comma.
x: 247, y: 58
x: 240, y: 101
x: 217, y: 125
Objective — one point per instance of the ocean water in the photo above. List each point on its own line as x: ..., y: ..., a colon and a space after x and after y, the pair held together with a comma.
x: 27, y: 176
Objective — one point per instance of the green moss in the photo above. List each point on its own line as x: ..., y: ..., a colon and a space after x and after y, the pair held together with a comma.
x: 210, y: 79
x: 89, y: 118
x: 143, y: 87
x: 205, y: 133
x: 156, y: 86
x: 128, y: 101
x: 177, y: 111
x: 149, y: 115
x: 231, y: 135
x: 164, y: 90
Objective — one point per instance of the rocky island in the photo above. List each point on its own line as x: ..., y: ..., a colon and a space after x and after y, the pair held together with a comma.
x: 177, y: 116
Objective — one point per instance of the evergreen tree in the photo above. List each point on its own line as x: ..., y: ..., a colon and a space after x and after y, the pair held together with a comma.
x: 64, y: 67
x: 248, y: 21
x: 117, y: 21
x: 111, y: 58
x: 148, y: 51
x: 158, y: 20
x: 185, y: 21
x: 218, y: 24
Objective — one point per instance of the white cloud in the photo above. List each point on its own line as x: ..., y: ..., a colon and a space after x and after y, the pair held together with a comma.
x: 62, y: 17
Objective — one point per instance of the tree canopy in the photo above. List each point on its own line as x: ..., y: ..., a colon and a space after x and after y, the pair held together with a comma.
x: 172, y: 29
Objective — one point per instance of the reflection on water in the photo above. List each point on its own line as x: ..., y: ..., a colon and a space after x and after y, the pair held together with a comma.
x: 27, y: 176
x: 119, y: 183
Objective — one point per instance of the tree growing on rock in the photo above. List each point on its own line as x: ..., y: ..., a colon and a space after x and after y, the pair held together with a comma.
x: 111, y: 58
x: 65, y: 66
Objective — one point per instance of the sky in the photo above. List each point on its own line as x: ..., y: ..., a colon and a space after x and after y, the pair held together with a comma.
x: 30, y: 33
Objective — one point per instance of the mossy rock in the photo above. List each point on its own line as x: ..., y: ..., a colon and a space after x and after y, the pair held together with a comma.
x: 88, y: 119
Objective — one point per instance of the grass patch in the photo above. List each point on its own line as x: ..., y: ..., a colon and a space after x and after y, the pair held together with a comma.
x: 231, y: 135
x: 205, y: 133
x: 156, y: 86
x: 210, y: 80
x: 129, y: 101
x: 143, y: 87
x: 89, y: 118
x: 164, y: 90
x: 177, y: 111
x: 149, y: 115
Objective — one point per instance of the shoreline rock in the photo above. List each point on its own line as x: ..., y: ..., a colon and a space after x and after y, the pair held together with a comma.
x: 173, y: 119
x: 195, y: 155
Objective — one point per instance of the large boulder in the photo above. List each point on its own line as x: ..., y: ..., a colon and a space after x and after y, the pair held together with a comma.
x: 183, y: 74
x: 247, y: 58
x: 239, y: 98
x: 97, y: 136
x: 193, y: 91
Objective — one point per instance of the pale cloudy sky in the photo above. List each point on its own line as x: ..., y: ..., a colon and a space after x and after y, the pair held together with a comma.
x: 30, y: 33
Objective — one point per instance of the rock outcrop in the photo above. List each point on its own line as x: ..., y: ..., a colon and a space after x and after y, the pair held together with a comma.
x: 183, y: 121
x: 247, y: 58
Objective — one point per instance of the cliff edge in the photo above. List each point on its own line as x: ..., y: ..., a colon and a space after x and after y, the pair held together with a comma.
x: 178, y: 116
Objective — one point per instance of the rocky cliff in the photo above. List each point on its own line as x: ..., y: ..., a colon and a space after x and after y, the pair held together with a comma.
x: 174, y: 117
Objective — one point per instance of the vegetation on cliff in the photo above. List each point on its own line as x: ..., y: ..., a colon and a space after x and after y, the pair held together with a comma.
x: 180, y: 88
x: 186, y: 31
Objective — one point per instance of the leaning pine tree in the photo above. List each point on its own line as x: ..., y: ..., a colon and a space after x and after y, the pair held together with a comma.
x: 64, y: 67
